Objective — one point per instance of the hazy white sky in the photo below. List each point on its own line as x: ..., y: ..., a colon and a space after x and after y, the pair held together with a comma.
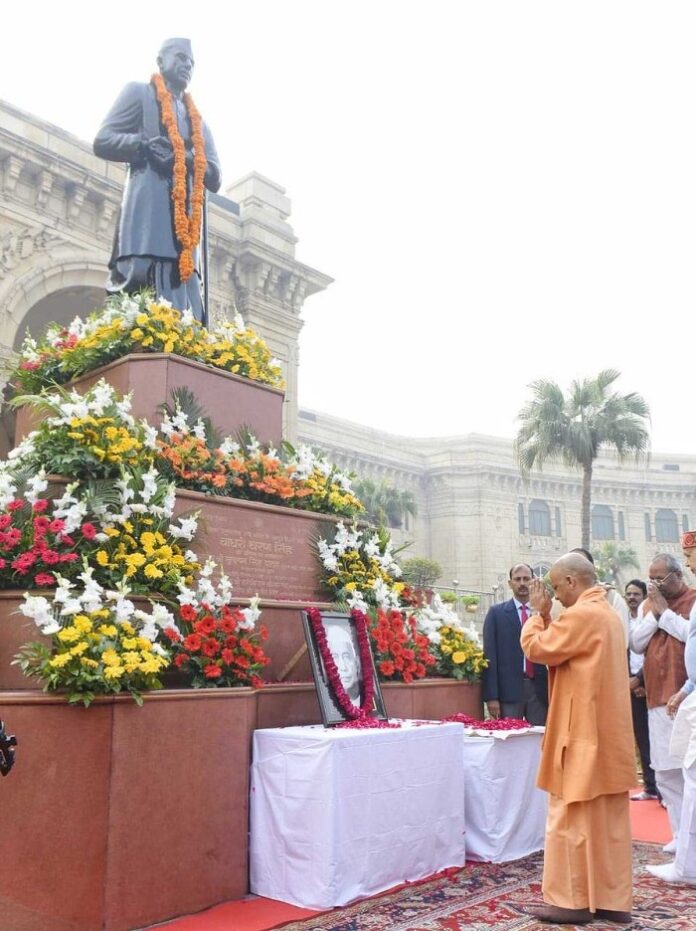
x: 503, y: 191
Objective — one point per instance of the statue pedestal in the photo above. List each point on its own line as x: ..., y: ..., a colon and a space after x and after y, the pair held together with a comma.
x: 117, y: 817
x: 231, y: 402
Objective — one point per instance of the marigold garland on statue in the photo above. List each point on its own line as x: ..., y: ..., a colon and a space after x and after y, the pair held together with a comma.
x: 187, y: 228
x: 342, y: 698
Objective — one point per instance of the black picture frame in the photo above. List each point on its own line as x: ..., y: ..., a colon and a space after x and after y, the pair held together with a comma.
x: 340, y: 624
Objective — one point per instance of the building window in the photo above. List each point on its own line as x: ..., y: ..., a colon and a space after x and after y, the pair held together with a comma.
x: 520, y: 518
x: 648, y: 531
x: 666, y: 526
x: 622, y: 526
x: 540, y: 570
x: 685, y: 523
x: 539, y: 518
x: 558, y: 522
x: 602, y: 522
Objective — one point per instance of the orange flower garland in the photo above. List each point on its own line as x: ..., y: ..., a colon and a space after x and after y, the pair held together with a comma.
x: 187, y: 228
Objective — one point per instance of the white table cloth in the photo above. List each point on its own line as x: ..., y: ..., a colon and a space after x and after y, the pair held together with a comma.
x: 341, y: 814
x: 505, y: 812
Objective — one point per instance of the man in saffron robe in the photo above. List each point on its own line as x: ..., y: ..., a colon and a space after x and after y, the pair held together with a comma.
x: 146, y: 248
x: 587, y: 762
x: 660, y: 634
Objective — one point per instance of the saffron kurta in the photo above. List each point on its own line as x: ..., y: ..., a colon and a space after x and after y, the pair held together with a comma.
x: 587, y: 762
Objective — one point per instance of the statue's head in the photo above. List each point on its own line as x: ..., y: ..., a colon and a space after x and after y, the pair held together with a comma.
x: 175, y: 62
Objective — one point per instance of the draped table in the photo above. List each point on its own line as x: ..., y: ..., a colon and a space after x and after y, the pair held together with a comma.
x: 505, y: 812
x: 339, y: 814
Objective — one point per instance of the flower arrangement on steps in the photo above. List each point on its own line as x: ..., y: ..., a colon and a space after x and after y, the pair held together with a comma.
x: 410, y: 639
x: 114, y: 525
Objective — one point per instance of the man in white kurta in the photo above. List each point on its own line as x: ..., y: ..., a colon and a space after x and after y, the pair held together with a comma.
x: 683, y: 746
x: 660, y: 633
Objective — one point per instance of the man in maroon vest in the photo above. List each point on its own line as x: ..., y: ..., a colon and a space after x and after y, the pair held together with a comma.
x: 660, y: 633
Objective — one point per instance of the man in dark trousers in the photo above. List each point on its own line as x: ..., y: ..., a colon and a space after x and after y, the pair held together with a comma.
x: 636, y: 592
x: 513, y: 687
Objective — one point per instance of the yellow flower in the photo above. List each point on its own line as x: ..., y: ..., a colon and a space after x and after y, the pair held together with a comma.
x: 68, y: 635
x: 111, y: 532
x: 152, y: 572
x: 102, y: 558
x: 82, y: 623
x: 459, y: 656
x: 62, y: 659
x: 127, y: 628
x: 90, y: 663
x: 108, y: 630
x: 113, y: 672
x: 111, y: 658
x: 130, y: 643
x: 79, y: 649
x: 144, y: 644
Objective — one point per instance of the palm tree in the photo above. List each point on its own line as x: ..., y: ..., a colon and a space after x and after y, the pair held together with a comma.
x: 385, y: 505
x: 612, y: 558
x: 576, y: 427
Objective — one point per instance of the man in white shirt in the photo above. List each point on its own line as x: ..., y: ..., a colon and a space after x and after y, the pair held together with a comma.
x: 660, y: 634
x: 636, y: 592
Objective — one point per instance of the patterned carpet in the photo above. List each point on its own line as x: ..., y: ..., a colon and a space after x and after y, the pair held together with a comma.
x: 494, y: 897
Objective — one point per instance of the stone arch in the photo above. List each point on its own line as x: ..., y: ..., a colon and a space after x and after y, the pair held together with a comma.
x: 47, y: 292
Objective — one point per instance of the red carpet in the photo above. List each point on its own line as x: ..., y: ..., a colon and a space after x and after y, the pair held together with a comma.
x: 497, y: 896
x: 649, y: 823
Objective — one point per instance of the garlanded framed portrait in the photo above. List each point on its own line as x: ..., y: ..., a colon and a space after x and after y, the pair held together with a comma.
x: 343, y: 666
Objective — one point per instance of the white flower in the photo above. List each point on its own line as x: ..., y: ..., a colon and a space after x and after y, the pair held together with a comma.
x: 150, y: 438
x: 187, y: 528
x: 253, y: 446
x: 199, y: 430
x: 149, y: 484
x: 25, y: 448
x: 35, y: 485
x: 251, y: 614
x: 187, y: 318
x: 39, y: 609
x: 356, y: 601
x: 228, y: 447
x: 124, y: 609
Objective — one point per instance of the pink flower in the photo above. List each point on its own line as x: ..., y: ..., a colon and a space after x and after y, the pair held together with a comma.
x: 44, y: 578
x: 89, y: 531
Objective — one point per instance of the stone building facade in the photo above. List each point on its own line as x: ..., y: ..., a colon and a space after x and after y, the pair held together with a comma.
x: 477, y: 517
x: 58, y: 209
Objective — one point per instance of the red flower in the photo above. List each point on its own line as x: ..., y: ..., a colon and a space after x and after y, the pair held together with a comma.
x: 227, y: 656
x: 89, y: 531
x: 212, y: 671
x: 41, y: 525
x: 386, y: 667
x: 206, y: 625
x: 44, y: 578
x: 56, y: 526
x: 172, y: 635
x: 50, y: 557
x: 40, y: 506
x: 181, y: 659
x: 15, y: 505
x: 228, y: 625
x: 256, y: 682
x: 5, y: 521
x: 211, y: 647
x: 187, y: 613
x: 192, y: 642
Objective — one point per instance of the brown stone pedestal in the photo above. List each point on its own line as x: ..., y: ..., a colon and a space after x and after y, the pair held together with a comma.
x: 117, y: 817
x: 231, y: 402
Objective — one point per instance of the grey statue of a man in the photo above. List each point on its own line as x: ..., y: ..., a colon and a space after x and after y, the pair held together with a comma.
x: 155, y: 128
